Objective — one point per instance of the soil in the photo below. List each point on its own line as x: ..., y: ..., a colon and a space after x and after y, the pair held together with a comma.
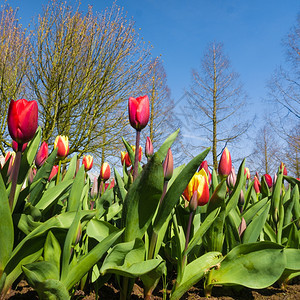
x: 109, y: 291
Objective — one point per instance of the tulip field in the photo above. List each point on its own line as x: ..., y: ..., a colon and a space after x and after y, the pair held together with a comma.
x: 150, y: 224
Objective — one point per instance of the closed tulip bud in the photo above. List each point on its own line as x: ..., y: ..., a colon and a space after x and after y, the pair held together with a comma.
x: 168, y: 165
x: 31, y: 175
x: 42, y: 155
x: 268, y: 179
x: 225, y: 165
x: 247, y: 173
x: 199, y: 183
x: 10, y: 155
x: 62, y: 144
x: 94, y: 189
x: 242, y: 227
x: 22, y: 120
x: 140, y: 151
x: 138, y: 109
x: 14, y: 145
x: 282, y: 167
x: 149, y: 148
x: 256, y: 185
x: 53, y: 172
x: 87, y: 161
x: 241, y: 200
x: 231, y: 179
x: 78, y: 234
x: 204, y: 166
x: 193, y: 204
x: 105, y: 172
x: 274, y: 178
x: 125, y: 159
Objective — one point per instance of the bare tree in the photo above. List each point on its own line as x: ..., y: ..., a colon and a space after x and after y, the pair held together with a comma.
x: 14, y: 55
x: 216, y: 98
x: 83, y: 69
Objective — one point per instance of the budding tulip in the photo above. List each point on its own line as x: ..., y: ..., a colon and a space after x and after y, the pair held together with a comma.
x: 87, y: 161
x: 42, y: 155
x: 225, y: 165
x: 204, y: 166
x: 94, y: 189
x: 125, y: 158
x: 22, y: 120
x: 31, y: 174
x: 138, y: 109
x: 247, y: 173
x: 268, y: 179
x: 14, y: 145
x: 149, y: 148
x: 10, y: 155
x: 62, y: 144
x: 231, y: 179
x: 140, y: 151
x: 257, y: 185
x: 53, y: 172
x: 105, y: 172
x: 199, y: 183
x: 282, y: 166
x: 168, y: 165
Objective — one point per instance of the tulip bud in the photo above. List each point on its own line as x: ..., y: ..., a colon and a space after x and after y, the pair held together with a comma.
x: 199, y: 183
x: 94, y: 189
x: 53, y: 172
x: 42, y: 155
x: 138, y: 110
x: 87, y: 161
x: 31, y: 175
x: 15, y: 146
x: 105, y: 172
x: 140, y: 152
x: 204, y: 166
x: 22, y: 120
x: 168, y: 165
x: 268, y: 179
x: 10, y: 155
x: 149, y: 148
x: 274, y: 178
x: 282, y: 167
x: 247, y: 173
x: 125, y: 159
x: 62, y: 144
x: 241, y: 200
x: 242, y: 227
x: 231, y: 179
x: 193, y: 204
x: 256, y: 185
x: 225, y: 165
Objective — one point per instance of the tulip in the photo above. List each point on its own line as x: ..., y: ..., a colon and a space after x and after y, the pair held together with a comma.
x: 138, y: 109
x: 225, y: 165
x: 242, y: 227
x: 110, y: 185
x: 268, y: 179
x: 257, y: 185
x: 62, y: 144
x: 42, y: 155
x: 125, y: 159
x: 10, y: 155
x: 22, y: 120
x: 231, y: 179
x: 105, y: 172
x: 199, y: 183
x: 247, y: 173
x: 94, y: 189
x: 168, y: 165
x: 140, y: 151
x: 282, y: 166
x: 53, y: 172
x: 87, y: 161
x: 15, y: 146
x: 31, y: 174
x: 148, y: 148
x: 204, y: 166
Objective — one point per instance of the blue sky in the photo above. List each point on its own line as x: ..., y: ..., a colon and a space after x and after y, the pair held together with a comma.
x: 251, y: 30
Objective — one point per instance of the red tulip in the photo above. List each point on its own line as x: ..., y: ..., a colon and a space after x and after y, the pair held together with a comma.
x: 87, y: 161
x: 225, y: 165
x: 138, y: 109
x: 140, y: 151
x: 53, y: 172
x: 22, y: 120
x: 14, y: 145
x: 149, y: 148
x: 42, y: 155
x: 62, y: 143
x: 204, y: 166
x: 168, y: 165
x: 110, y: 185
x: 125, y: 159
x: 268, y: 179
x: 199, y: 184
x: 282, y: 166
x: 256, y: 185
x: 247, y: 173
x: 105, y: 172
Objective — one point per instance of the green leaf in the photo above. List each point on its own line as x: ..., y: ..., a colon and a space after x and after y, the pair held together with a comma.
x: 120, y: 185
x: 292, y: 264
x: 76, y: 191
x: 6, y: 228
x: 250, y: 213
x: 176, y: 189
x: 251, y: 265
x: 53, y: 290
x: 142, y: 199
x: 99, y: 230
x: 163, y: 150
x: 195, y: 271
x: 87, y: 262
x: 71, y: 168
x: 52, y: 251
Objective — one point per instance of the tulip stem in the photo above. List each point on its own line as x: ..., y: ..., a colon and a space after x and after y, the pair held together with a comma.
x: 187, y: 237
x: 14, y: 178
x: 136, y: 156
x: 58, y: 172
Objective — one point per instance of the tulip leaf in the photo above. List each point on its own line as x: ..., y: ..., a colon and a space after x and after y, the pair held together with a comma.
x: 76, y: 191
x: 194, y: 272
x: 71, y: 168
x: 176, y: 189
x: 251, y: 265
x: 254, y: 208
x: 142, y: 199
x: 52, y: 251
x: 162, y: 151
x: 99, y: 230
x: 234, y: 198
x: 6, y: 228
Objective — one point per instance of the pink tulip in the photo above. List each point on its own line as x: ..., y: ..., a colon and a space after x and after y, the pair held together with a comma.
x: 225, y: 164
x: 138, y: 109
x: 42, y: 155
